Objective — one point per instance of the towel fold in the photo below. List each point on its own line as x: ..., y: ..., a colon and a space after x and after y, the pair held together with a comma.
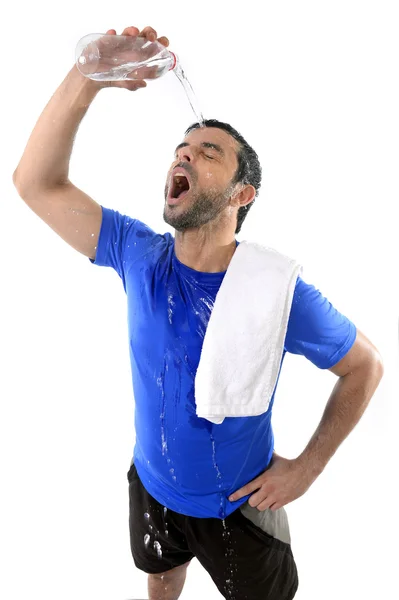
x: 244, y: 341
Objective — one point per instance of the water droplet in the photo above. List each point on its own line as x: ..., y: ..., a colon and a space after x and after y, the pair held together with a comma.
x: 146, y: 539
x: 171, y: 305
x: 218, y: 473
x: 157, y: 547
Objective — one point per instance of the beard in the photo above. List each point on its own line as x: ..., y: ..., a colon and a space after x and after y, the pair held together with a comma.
x: 203, y: 208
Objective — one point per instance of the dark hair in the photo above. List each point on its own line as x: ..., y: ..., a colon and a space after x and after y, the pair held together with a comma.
x: 249, y: 171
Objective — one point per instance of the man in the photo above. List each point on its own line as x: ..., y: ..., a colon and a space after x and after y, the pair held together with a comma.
x: 215, y: 492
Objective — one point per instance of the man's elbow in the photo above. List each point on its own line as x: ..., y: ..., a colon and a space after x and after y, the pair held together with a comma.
x: 373, y: 367
x: 369, y: 359
x: 379, y: 365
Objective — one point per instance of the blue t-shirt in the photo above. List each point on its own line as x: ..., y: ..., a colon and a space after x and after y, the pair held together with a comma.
x: 188, y: 464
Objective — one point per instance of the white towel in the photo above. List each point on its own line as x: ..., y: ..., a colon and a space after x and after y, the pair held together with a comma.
x: 244, y: 340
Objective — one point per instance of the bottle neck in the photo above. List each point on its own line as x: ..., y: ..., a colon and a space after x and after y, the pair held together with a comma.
x: 174, y: 61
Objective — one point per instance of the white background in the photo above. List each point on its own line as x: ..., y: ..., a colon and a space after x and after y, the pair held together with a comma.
x: 313, y: 86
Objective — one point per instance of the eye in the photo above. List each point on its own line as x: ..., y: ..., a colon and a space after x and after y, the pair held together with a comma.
x: 210, y: 157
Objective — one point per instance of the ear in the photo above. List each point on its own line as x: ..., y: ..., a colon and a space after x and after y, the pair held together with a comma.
x: 245, y: 195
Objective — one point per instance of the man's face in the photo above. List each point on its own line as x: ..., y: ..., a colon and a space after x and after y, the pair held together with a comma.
x: 207, y: 162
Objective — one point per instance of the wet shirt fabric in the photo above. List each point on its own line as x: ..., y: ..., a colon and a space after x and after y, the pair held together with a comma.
x: 186, y: 463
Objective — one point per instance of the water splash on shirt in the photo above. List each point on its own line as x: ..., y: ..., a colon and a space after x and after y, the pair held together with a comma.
x: 202, y: 310
x: 164, y: 442
x: 158, y: 548
x: 177, y: 363
x: 218, y: 473
x: 208, y: 303
x: 171, y: 305
x: 160, y: 384
x: 222, y: 512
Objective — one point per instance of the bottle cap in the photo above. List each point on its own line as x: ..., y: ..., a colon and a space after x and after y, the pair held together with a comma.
x: 174, y: 61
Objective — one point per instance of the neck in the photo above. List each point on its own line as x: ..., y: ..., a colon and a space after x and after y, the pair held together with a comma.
x: 205, y: 250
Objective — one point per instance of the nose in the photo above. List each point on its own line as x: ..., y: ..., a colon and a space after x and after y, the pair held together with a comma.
x: 185, y: 154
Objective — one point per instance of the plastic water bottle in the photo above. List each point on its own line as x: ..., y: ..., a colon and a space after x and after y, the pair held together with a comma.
x: 104, y: 57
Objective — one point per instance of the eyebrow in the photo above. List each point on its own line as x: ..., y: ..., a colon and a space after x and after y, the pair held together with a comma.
x: 216, y: 147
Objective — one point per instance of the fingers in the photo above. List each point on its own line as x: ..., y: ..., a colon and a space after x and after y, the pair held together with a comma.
x: 258, y: 498
x: 263, y: 499
x: 253, y: 485
x: 240, y: 494
x: 265, y: 505
x: 130, y: 31
x: 164, y: 41
x: 140, y: 83
x: 130, y: 85
x: 149, y: 33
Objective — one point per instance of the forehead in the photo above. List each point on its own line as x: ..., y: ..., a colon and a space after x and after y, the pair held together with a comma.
x: 207, y: 136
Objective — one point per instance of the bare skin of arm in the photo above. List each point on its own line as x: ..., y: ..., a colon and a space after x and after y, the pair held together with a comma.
x: 42, y: 175
x: 360, y: 373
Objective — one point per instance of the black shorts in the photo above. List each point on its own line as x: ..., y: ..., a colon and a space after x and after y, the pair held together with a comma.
x: 244, y: 561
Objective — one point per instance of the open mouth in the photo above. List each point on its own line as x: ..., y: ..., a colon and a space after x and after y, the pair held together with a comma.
x: 180, y: 186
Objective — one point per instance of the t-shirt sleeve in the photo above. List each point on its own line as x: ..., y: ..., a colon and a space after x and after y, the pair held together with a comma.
x: 316, y: 329
x: 122, y: 240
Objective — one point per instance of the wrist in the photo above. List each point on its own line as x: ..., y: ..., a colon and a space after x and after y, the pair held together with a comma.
x: 87, y: 88
x: 310, y: 467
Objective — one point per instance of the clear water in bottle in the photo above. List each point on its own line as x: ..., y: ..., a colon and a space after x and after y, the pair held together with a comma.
x: 117, y: 58
x: 104, y: 57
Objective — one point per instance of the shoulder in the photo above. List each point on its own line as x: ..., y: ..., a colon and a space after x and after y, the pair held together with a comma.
x: 316, y: 329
